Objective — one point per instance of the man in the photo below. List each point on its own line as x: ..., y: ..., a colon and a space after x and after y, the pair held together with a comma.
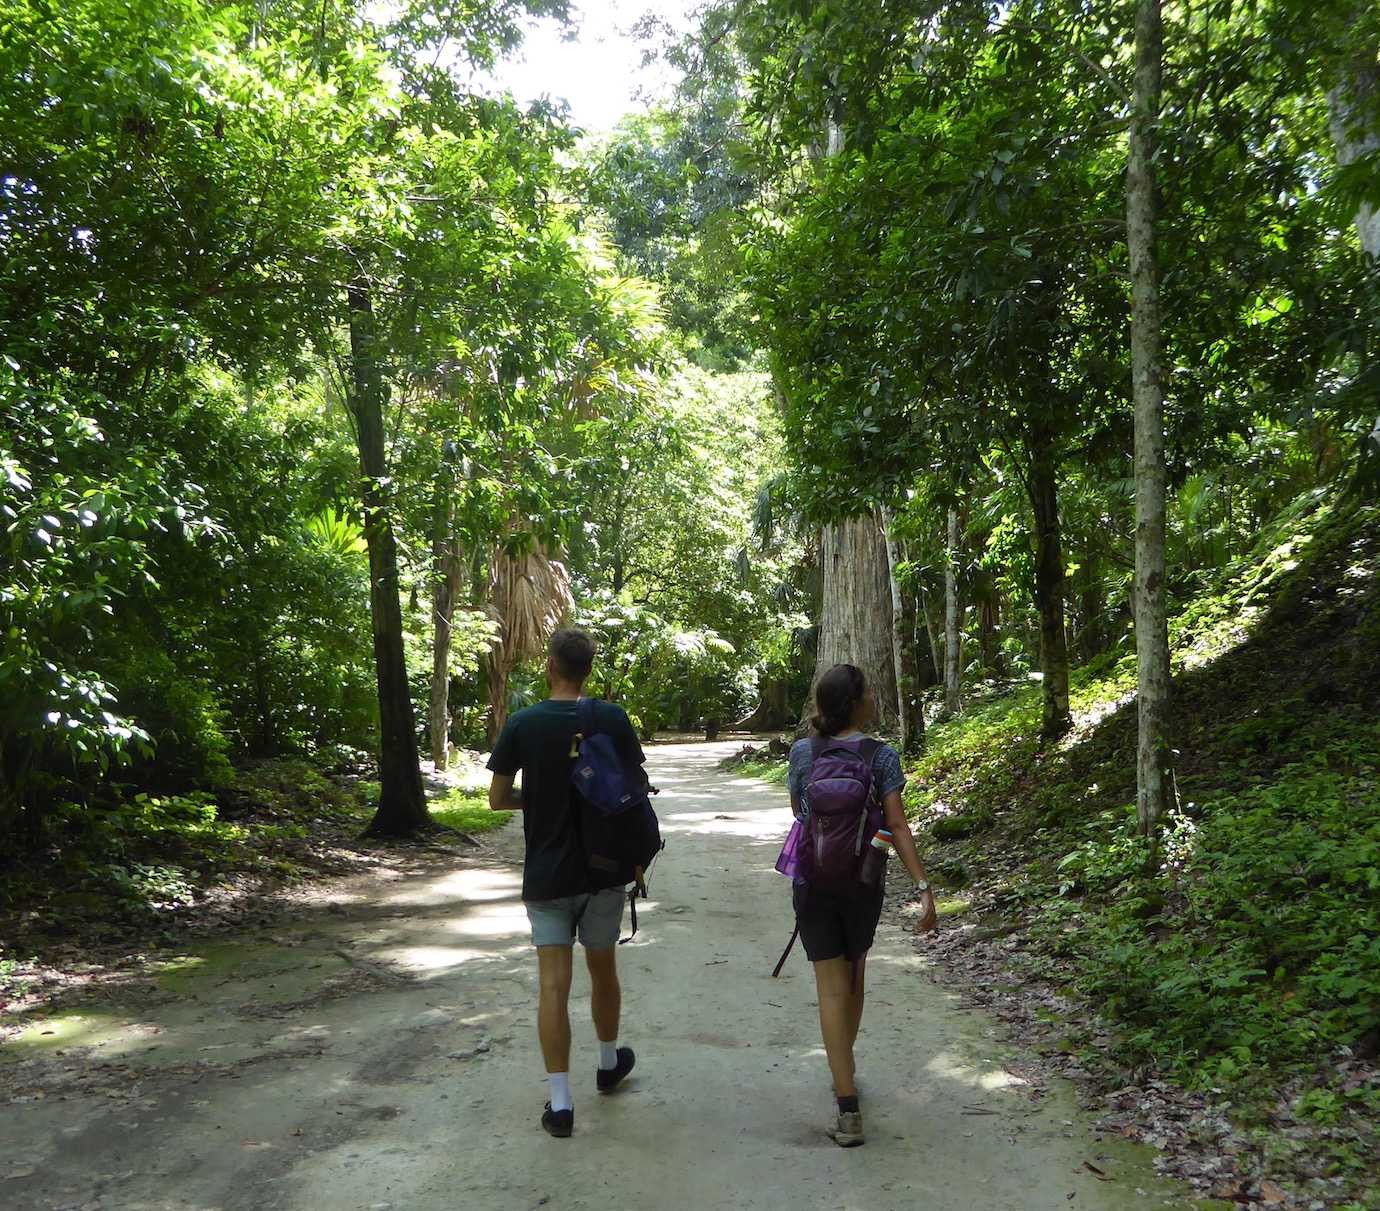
x: 562, y: 899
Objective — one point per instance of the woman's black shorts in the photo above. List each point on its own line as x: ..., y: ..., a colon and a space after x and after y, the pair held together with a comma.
x: 834, y: 926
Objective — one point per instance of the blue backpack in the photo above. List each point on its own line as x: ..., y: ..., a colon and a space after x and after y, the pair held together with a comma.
x: 619, y: 832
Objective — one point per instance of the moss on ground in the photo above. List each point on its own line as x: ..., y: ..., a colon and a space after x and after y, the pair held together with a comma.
x: 468, y: 811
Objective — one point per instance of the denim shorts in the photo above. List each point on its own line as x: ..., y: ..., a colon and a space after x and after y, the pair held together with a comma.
x: 597, y: 917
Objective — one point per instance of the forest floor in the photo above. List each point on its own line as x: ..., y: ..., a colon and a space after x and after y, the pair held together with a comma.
x: 373, y: 1047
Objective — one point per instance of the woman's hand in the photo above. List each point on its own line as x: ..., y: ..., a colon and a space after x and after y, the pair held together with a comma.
x: 928, y: 920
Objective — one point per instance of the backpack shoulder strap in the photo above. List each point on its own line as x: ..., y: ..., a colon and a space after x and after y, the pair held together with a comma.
x: 868, y: 748
x: 584, y: 717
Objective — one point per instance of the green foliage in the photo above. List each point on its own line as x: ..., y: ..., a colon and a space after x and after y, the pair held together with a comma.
x: 133, y: 858
x: 1250, y: 948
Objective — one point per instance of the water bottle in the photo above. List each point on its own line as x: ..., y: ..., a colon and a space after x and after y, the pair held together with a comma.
x: 873, y: 869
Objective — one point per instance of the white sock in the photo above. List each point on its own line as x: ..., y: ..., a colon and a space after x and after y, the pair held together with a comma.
x: 608, y: 1054
x: 559, y: 1085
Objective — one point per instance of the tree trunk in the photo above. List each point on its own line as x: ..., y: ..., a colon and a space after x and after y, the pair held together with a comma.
x: 1091, y: 605
x: 770, y: 714
x: 855, y: 616
x: 855, y: 620
x: 989, y: 645
x: 1049, y: 583
x: 268, y: 732
x: 1354, y: 106
x: 932, y: 634
x: 910, y: 709
x: 953, y: 620
x: 402, y: 801
x: 1353, y: 103
x: 445, y: 586
x: 1152, y: 631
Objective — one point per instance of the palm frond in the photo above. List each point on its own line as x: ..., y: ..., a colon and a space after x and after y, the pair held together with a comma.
x: 531, y: 595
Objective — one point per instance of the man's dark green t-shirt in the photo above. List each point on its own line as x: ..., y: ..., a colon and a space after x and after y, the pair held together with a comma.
x: 537, y: 742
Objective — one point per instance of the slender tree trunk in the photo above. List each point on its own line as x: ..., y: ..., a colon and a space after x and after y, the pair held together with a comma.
x: 1091, y: 602
x: 402, y: 801
x: 500, y: 667
x: 855, y: 619
x: 1049, y: 583
x: 932, y: 633
x: 1354, y: 107
x: 953, y: 619
x: 1354, y: 104
x: 1152, y: 629
x: 445, y: 586
x: 910, y: 709
x: 268, y: 733
x: 988, y: 639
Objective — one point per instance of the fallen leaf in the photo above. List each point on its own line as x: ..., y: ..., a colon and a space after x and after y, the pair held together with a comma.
x: 1096, y: 1172
x: 1270, y: 1193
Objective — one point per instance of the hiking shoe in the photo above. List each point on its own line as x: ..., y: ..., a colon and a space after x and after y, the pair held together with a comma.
x: 609, y: 1078
x: 848, y: 1131
x: 560, y: 1123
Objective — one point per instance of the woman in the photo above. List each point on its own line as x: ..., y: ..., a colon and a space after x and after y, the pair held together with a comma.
x: 837, y: 929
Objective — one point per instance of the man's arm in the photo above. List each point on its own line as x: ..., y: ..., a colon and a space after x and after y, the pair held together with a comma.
x: 504, y: 763
x: 501, y: 796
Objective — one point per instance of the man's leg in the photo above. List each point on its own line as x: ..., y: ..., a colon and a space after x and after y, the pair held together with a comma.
x: 599, y: 930
x: 605, y: 993
x: 838, y: 1020
x: 553, y: 1019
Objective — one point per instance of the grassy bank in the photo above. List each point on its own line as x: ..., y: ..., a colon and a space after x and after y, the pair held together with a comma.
x: 1246, y: 958
x: 133, y: 873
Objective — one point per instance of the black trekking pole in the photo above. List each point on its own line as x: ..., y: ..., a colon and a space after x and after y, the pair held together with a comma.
x: 795, y: 933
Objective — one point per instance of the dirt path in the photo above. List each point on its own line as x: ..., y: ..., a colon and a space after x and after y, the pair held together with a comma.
x: 380, y: 1054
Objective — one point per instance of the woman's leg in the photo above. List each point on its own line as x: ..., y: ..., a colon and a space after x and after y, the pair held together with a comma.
x: 838, y: 1020
x: 855, y: 1007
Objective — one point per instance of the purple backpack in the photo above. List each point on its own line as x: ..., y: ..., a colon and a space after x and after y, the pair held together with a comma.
x: 843, y: 814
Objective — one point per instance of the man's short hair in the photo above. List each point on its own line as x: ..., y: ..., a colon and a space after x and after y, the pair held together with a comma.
x: 572, y: 654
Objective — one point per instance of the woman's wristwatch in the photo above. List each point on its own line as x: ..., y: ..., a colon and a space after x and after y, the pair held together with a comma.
x: 921, y: 885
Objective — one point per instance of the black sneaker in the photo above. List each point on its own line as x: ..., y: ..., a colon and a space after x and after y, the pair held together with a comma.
x: 560, y: 1123
x: 609, y: 1078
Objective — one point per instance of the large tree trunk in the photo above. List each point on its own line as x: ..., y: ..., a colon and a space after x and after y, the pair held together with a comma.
x: 402, y: 801
x: 910, y: 709
x: 1049, y: 583
x: 1152, y: 628
x: 771, y: 713
x: 855, y: 618
x: 855, y: 621
x: 445, y: 586
x: 953, y: 619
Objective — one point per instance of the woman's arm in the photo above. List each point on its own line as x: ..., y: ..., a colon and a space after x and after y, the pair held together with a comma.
x: 896, y: 821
